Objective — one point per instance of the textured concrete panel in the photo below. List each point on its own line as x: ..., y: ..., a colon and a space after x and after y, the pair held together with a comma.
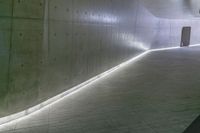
x: 57, y: 44
x: 28, y: 8
x: 5, y: 8
x: 25, y: 63
x: 5, y: 34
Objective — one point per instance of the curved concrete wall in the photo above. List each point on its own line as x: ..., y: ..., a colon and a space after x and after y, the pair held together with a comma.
x: 49, y: 46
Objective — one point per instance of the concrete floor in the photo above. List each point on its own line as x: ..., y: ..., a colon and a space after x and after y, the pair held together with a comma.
x: 158, y: 94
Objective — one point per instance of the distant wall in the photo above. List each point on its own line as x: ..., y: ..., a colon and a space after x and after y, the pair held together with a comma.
x: 49, y: 46
x: 170, y: 30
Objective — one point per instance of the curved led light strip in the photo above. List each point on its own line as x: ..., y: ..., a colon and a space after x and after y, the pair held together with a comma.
x: 27, y: 113
x: 170, y: 48
x: 40, y: 107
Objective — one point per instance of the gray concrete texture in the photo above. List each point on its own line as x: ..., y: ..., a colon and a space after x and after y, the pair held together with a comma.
x: 49, y: 46
x: 173, y: 9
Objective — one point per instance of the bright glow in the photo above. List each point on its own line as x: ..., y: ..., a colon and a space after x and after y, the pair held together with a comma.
x: 42, y: 106
x: 104, y: 18
x: 195, y: 45
x: 132, y: 41
x: 141, y: 45
x: 31, y: 111
x: 162, y: 49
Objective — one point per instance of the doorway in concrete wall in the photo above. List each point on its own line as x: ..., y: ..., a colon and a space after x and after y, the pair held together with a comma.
x: 185, y: 37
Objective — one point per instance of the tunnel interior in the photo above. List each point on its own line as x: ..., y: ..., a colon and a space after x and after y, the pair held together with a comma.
x: 50, y: 46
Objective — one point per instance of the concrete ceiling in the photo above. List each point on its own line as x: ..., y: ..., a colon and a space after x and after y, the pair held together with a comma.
x: 173, y: 9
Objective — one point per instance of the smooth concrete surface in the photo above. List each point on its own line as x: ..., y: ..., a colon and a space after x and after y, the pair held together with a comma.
x: 173, y: 9
x: 49, y: 46
x: 157, y: 94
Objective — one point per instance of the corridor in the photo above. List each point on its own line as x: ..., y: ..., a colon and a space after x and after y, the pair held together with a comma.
x: 158, y: 93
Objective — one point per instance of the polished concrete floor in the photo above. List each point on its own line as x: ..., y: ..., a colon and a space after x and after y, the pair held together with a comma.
x: 158, y: 94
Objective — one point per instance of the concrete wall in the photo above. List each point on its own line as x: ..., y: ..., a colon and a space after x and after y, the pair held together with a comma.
x: 170, y: 30
x: 49, y: 46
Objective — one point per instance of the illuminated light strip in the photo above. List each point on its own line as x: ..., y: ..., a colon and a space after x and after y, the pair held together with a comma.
x: 163, y: 49
x: 194, y: 45
x: 170, y: 48
x: 40, y: 107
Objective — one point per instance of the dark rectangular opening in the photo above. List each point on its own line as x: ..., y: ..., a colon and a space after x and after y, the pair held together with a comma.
x: 185, y: 38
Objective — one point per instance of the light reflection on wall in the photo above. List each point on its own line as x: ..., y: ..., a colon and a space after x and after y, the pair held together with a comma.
x: 127, y: 38
x: 103, y: 18
x: 132, y: 41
